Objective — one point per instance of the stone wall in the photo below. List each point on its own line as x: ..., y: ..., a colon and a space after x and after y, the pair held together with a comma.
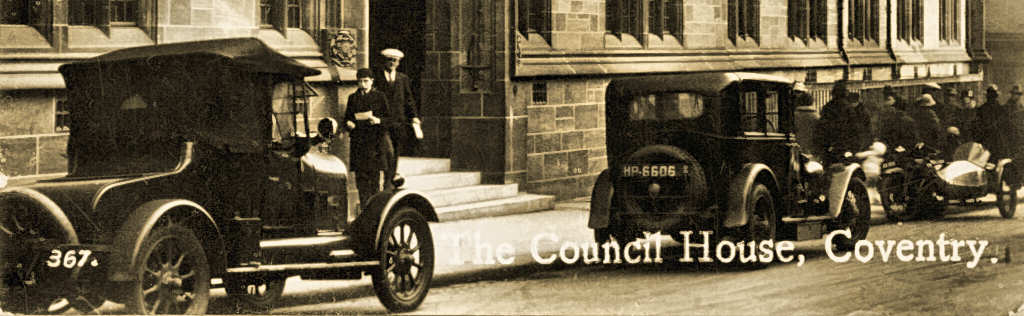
x: 30, y: 145
x: 565, y: 139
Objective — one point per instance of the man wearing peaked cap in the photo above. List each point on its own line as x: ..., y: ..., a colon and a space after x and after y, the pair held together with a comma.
x: 402, y: 113
x: 370, y: 146
x: 991, y: 117
x: 926, y: 123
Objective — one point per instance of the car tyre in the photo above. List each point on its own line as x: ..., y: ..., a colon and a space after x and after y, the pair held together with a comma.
x: 406, y: 253
x: 19, y: 225
x: 762, y: 221
x: 257, y: 294
x: 172, y: 274
x: 855, y: 214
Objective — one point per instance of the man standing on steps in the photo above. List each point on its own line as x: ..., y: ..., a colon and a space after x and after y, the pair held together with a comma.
x: 404, y: 122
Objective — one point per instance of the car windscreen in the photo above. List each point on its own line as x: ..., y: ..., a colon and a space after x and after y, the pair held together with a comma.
x: 667, y: 106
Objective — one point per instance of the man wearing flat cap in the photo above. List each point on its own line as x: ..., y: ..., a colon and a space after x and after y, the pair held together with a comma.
x: 991, y: 117
x: 370, y: 145
x: 402, y: 114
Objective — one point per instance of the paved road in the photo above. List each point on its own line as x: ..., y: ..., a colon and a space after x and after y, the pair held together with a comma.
x: 820, y: 285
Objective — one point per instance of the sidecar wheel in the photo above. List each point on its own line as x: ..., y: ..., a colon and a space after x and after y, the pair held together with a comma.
x: 406, y: 253
x: 1006, y: 199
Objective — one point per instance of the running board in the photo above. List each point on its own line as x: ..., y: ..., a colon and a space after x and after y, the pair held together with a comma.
x: 302, y: 267
x: 790, y: 220
x: 318, y: 248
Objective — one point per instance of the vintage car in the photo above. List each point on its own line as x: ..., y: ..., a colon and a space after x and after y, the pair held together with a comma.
x: 717, y: 152
x: 195, y: 161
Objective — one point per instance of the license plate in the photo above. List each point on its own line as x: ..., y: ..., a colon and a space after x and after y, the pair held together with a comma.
x: 71, y: 257
x: 655, y: 170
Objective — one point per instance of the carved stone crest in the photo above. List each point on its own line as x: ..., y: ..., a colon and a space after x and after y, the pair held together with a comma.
x: 343, y: 48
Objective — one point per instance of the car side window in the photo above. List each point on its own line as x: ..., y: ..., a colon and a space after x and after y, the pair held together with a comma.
x: 771, y: 112
x: 750, y: 118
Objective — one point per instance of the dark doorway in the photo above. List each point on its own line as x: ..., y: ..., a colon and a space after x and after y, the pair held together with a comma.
x: 399, y: 24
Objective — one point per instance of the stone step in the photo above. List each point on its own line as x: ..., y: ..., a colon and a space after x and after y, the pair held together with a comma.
x: 462, y: 195
x: 436, y: 181
x: 411, y: 166
x: 521, y: 203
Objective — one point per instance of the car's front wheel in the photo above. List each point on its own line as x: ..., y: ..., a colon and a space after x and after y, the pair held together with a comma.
x: 406, y: 254
x: 172, y: 274
x: 761, y: 219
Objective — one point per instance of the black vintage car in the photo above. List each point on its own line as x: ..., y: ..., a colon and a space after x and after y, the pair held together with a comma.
x: 195, y: 161
x: 717, y: 152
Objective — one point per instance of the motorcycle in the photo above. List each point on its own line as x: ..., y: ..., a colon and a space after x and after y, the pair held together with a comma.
x: 918, y: 183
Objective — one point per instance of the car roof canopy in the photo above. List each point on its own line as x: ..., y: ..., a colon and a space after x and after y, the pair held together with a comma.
x: 701, y: 83
x: 248, y: 54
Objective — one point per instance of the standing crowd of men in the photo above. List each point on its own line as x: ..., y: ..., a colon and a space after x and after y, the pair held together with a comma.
x: 937, y: 119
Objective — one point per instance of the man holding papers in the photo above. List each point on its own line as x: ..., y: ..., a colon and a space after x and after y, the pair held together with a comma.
x: 371, y: 149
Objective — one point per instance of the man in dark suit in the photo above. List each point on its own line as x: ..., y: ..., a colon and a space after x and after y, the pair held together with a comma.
x: 370, y: 149
x: 402, y: 114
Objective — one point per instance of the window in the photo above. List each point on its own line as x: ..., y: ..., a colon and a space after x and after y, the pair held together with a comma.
x: 15, y: 12
x: 749, y: 118
x: 808, y: 19
x: 667, y: 106
x: 533, y: 16
x: 123, y: 11
x: 623, y: 17
x: 743, y: 18
x: 62, y: 117
x: 949, y: 20
x: 540, y: 93
x: 665, y: 17
x: 909, y: 20
x: 114, y: 12
x: 294, y: 14
x: 82, y: 13
x: 266, y: 13
x: 284, y: 14
x: 863, y: 20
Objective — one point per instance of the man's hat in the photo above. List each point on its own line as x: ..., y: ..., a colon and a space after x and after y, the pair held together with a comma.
x: 799, y: 86
x: 1016, y: 89
x: 393, y: 53
x: 992, y: 88
x: 364, y: 73
x: 925, y: 100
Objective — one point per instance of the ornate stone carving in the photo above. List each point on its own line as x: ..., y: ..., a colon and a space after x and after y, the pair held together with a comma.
x: 343, y: 48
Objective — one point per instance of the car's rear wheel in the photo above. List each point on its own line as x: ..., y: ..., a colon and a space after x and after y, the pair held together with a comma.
x: 855, y: 214
x: 172, y: 274
x: 1006, y: 198
x: 406, y: 254
x: 20, y: 226
x: 255, y: 294
x: 894, y: 197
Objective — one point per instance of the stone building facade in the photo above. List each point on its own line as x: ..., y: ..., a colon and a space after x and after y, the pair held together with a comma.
x: 1004, y: 38
x: 511, y: 88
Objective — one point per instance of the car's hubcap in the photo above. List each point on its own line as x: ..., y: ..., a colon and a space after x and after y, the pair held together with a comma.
x: 165, y: 287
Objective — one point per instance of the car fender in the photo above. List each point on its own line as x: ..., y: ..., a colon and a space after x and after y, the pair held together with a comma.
x: 601, y: 201
x: 44, y: 203
x: 128, y: 240
x: 739, y: 187
x: 840, y: 181
x: 367, y: 226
